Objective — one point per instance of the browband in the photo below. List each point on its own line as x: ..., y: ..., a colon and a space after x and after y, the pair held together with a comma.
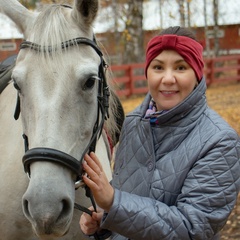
x: 66, y: 44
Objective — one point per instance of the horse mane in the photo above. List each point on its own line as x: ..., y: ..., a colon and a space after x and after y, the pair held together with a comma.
x: 51, y: 28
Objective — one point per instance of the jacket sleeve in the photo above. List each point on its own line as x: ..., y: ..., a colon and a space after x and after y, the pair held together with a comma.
x: 207, y: 197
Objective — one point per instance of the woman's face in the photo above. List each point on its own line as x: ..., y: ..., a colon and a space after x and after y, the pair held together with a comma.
x: 170, y: 79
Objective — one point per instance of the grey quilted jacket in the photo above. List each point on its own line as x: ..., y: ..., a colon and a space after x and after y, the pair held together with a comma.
x: 178, y: 180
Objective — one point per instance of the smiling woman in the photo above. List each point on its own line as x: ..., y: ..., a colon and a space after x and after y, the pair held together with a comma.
x: 63, y: 101
x: 170, y: 79
x: 173, y: 158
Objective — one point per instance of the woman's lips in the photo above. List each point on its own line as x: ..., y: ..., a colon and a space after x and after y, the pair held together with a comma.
x: 168, y: 93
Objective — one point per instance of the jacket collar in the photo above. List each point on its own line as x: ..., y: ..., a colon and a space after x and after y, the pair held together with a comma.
x: 193, y: 106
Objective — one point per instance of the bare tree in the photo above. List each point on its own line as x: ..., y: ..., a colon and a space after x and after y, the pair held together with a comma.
x: 125, y: 20
x: 206, y: 29
x: 188, y: 17
x: 216, y: 27
x: 185, y: 12
x: 161, y: 13
x: 182, y: 12
x: 133, y: 33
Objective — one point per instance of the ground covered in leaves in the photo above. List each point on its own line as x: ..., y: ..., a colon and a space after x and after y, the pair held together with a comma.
x: 225, y: 99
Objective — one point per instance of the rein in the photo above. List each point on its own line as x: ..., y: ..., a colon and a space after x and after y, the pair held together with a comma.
x: 5, y: 76
x: 56, y: 156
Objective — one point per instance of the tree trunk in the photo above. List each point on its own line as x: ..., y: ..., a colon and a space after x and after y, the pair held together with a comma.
x: 206, y: 29
x: 216, y: 27
x: 133, y: 35
x: 188, y: 14
x: 182, y: 12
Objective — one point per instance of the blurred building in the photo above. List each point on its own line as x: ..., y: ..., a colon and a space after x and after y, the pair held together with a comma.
x: 229, y: 42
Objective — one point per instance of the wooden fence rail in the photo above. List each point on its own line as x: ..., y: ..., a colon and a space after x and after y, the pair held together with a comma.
x: 130, y: 78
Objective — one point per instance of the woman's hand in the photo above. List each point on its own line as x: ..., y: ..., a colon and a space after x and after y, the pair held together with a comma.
x: 90, y: 224
x: 97, y: 181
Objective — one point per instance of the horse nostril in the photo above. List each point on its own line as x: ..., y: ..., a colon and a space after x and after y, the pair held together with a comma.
x: 66, y: 208
x: 25, y: 208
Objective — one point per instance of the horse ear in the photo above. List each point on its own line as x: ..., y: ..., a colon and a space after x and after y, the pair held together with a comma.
x: 85, y: 10
x: 18, y: 13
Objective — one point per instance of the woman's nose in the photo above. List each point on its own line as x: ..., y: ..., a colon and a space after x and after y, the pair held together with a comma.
x: 168, y: 77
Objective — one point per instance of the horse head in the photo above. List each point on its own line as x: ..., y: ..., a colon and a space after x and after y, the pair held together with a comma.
x: 58, y: 77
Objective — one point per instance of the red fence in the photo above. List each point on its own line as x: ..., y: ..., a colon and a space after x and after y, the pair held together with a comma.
x: 130, y: 78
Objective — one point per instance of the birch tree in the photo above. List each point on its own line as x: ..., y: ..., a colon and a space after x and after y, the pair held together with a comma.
x: 188, y: 17
x: 216, y: 27
x: 182, y: 12
x: 206, y: 28
x: 125, y: 20
x: 133, y: 33
x: 185, y: 12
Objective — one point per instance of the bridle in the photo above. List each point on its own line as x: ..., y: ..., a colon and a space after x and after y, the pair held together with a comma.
x: 59, y: 157
x: 53, y: 155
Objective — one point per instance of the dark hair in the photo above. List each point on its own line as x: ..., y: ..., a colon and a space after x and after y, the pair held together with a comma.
x: 180, y: 31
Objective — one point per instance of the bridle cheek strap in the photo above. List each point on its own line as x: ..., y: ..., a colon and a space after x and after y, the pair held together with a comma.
x: 17, y: 108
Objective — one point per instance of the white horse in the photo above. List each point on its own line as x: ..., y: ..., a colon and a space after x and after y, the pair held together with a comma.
x: 60, y: 84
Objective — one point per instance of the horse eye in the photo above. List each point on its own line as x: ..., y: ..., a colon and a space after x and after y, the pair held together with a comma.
x: 90, y: 83
x: 16, y: 85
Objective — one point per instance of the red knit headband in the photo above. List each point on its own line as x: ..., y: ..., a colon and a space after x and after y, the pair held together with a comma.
x: 188, y: 48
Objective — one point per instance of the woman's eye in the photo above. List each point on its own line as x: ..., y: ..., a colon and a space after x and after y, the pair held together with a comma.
x: 181, y: 68
x: 90, y: 83
x: 157, y: 67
